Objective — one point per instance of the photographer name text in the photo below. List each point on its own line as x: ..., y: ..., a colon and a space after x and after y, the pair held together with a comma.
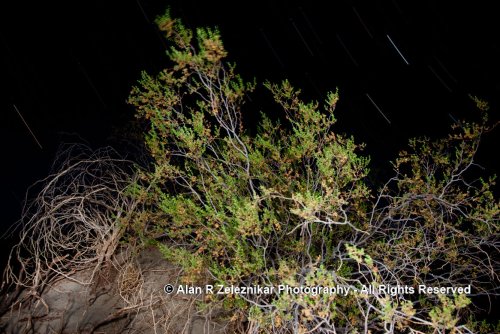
x: 393, y: 290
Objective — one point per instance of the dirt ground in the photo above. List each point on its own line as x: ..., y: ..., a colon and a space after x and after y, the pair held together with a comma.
x: 128, y: 300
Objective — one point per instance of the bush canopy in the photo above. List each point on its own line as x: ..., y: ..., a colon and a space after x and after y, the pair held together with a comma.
x: 290, y: 205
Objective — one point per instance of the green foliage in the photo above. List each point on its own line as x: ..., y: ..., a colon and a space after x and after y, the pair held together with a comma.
x: 289, y: 205
x: 443, y: 316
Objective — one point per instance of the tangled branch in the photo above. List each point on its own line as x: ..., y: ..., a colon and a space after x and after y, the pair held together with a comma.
x: 75, y: 222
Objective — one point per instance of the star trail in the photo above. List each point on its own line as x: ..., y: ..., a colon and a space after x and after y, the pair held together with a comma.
x: 402, y: 69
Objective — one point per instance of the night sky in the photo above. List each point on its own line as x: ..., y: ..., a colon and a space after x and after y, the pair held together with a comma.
x: 403, y: 69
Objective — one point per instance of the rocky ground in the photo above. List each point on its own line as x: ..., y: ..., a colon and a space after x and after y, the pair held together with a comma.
x: 128, y: 298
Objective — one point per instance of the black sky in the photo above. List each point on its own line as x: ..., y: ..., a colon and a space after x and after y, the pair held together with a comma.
x: 68, y: 68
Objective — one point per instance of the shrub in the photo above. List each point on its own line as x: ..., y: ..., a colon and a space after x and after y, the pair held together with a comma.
x: 290, y: 205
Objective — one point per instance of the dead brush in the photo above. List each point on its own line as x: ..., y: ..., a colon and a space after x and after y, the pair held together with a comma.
x: 130, y: 282
x: 74, y: 223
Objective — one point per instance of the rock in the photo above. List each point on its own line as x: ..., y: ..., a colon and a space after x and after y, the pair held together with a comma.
x: 126, y: 297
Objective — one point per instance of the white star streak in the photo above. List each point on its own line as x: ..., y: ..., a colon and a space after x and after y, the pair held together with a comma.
x: 376, y: 106
x: 395, y: 47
